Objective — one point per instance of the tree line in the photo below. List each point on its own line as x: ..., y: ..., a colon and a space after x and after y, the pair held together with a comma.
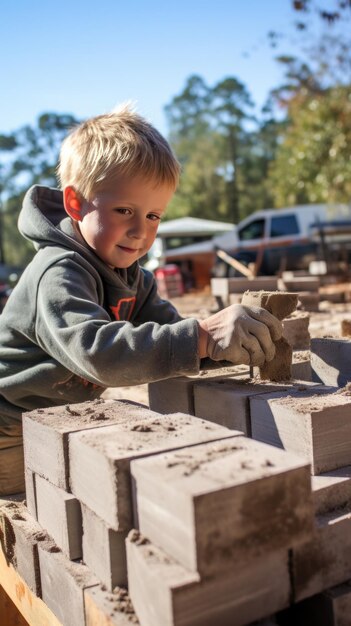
x: 296, y: 151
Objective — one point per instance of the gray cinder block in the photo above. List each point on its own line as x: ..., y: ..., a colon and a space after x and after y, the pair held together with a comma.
x: 295, y: 330
x: 108, y: 562
x: 45, y: 433
x: 100, y: 460
x: 179, y: 598
x: 314, y: 424
x: 63, y: 583
x: 331, y: 361
x: 221, y: 503
x: 226, y: 401
x: 60, y: 514
x: 325, y: 560
x: 20, y: 537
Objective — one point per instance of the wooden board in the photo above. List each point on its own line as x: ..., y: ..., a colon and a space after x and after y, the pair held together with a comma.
x: 33, y: 610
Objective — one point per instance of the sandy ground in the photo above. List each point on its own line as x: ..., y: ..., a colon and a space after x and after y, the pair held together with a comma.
x: 325, y: 323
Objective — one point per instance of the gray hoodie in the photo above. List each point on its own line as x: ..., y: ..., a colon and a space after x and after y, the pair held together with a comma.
x: 73, y: 326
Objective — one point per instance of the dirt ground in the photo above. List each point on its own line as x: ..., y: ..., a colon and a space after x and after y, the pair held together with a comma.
x: 324, y: 323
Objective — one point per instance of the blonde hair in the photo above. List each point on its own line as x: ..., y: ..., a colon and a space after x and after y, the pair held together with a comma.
x: 117, y: 143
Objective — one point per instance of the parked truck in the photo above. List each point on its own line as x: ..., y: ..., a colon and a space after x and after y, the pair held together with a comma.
x: 273, y: 240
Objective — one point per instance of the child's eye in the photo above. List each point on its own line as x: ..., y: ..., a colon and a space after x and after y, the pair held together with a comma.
x: 154, y: 217
x: 123, y: 211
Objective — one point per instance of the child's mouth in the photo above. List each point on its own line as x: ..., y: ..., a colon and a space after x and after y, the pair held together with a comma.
x: 125, y: 249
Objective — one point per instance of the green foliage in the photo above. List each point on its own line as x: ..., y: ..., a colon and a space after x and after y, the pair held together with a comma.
x: 313, y: 162
x: 223, y: 166
x: 27, y: 157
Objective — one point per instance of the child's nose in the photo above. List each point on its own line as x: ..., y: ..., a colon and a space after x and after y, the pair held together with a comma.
x: 137, y: 228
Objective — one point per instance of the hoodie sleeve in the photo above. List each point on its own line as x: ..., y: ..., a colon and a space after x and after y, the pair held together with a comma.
x: 75, y: 329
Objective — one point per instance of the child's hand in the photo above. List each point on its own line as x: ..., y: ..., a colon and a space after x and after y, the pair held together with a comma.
x: 240, y: 334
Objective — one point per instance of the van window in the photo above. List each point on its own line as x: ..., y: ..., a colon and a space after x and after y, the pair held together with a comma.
x: 254, y: 230
x: 284, y: 225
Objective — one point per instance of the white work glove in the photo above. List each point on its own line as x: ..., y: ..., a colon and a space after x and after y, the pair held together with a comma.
x: 242, y: 335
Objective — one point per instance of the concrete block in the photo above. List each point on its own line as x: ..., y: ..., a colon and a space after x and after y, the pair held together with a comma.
x: 332, y: 490
x: 175, y: 395
x: 281, y: 305
x: 302, y: 283
x: 301, y: 366
x: 108, y: 562
x: 325, y: 560
x: 179, y: 598
x: 227, y: 401
x: 222, y: 287
x: 314, y: 424
x: 109, y: 609
x: 63, y: 583
x: 100, y: 460
x: 331, y: 361
x: 309, y: 301
x: 295, y: 330
x: 60, y: 514
x: 20, y: 536
x: 45, y: 433
x: 31, y: 501
x: 215, y: 504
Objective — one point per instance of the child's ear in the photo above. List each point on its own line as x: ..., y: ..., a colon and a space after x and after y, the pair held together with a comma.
x: 72, y: 204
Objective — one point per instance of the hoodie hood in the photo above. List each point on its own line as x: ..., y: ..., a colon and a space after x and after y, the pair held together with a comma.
x: 44, y: 221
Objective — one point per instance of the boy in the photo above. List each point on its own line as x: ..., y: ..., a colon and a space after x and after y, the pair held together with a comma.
x: 84, y: 316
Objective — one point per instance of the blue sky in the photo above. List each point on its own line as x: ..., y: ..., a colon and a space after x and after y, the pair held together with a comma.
x: 83, y: 57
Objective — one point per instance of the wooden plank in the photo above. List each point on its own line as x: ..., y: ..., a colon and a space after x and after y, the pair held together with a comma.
x: 240, y: 267
x: 9, y: 613
x: 30, y: 606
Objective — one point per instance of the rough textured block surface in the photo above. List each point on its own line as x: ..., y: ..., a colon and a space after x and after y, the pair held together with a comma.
x: 20, y: 536
x: 295, y: 330
x: 280, y: 305
x: 325, y: 560
x: 60, y: 514
x: 331, y: 361
x: 179, y: 598
x: 221, y: 503
x: 63, y: 583
x: 226, y: 401
x: 104, y: 550
x: 109, y: 609
x: 45, y: 433
x: 100, y: 460
x: 314, y: 424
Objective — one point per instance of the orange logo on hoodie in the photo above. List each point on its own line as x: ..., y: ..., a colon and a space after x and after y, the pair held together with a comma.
x: 124, y: 308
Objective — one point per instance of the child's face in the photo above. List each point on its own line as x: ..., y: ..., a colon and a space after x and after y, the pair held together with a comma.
x: 120, y: 222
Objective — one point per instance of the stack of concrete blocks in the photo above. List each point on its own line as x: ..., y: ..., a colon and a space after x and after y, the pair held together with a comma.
x: 79, y: 489
x: 216, y: 523
x: 316, y: 424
